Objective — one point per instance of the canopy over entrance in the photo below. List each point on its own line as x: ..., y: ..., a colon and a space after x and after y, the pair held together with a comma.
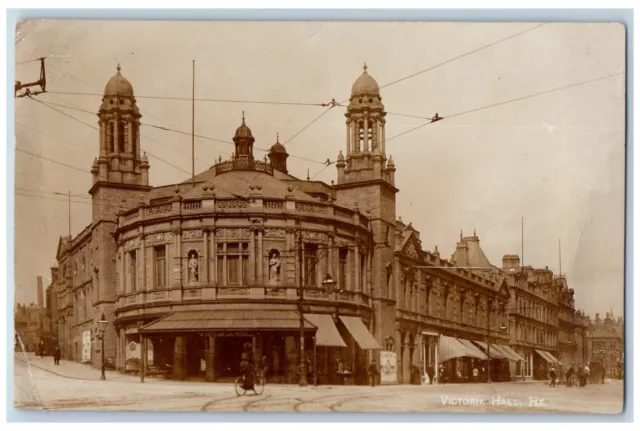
x: 327, y: 334
x: 227, y: 321
x: 449, y: 348
x: 360, y: 333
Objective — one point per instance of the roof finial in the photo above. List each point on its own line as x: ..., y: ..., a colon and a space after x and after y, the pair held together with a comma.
x: 474, y: 232
x: 365, y: 67
x: 308, y: 179
x: 118, y: 68
x: 242, y: 117
x: 460, y: 234
x: 277, y: 137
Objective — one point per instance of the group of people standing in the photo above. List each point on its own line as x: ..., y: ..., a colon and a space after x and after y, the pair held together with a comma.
x: 581, y: 371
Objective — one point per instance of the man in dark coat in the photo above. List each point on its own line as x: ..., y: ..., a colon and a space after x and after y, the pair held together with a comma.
x: 56, y: 355
x: 373, y: 373
x: 430, y: 373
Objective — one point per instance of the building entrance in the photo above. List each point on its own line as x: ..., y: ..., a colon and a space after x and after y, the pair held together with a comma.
x: 228, y: 355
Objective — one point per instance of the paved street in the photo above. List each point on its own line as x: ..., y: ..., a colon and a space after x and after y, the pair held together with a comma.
x: 77, y: 387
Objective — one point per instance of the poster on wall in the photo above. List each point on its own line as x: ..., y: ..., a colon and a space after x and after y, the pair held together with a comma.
x: 86, y: 346
x: 388, y: 368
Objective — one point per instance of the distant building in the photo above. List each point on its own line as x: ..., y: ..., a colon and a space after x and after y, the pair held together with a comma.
x: 202, y: 269
x: 606, y: 340
x: 32, y: 323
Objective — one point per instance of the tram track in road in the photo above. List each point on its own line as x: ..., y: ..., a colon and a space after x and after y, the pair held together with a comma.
x: 334, y: 407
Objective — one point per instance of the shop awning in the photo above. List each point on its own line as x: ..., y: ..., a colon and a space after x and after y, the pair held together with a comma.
x: 494, y: 350
x: 546, y: 356
x: 513, y: 355
x: 327, y: 334
x: 227, y: 321
x: 360, y: 333
x: 553, y: 358
x: 449, y: 348
x: 469, y: 345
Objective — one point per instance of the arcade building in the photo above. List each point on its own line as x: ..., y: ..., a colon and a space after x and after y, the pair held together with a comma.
x: 190, y: 275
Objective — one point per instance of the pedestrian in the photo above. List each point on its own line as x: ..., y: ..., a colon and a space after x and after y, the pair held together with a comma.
x: 553, y: 375
x: 41, y: 348
x: 56, y: 355
x: 373, y: 373
x: 475, y: 374
x: 441, y: 375
x: 569, y: 375
x: 430, y: 373
x: 585, y: 375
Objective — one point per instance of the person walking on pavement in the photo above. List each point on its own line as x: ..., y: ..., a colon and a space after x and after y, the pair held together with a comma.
x: 553, y: 375
x: 441, y: 375
x: 430, y: 374
x: 585, y: 375
x: 569, y: 375
x: 56, y: 355
x: 373, y: 373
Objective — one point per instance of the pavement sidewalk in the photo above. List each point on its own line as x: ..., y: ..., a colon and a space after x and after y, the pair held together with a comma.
x: 75, y: 370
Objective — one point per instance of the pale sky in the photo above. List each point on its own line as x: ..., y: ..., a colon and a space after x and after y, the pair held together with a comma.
x: 556, y: 159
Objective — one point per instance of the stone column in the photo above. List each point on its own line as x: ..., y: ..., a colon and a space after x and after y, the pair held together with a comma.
x: 356, y: 259
x: 260, y: 259
x: 365, y: 134
x: 348, y: 138
x: 177, y: 259
x: 214, y: 257
x: 252, y: 258
x: 406, y: 360
x: 205, y: 247
x: 382, y: 126
x: 103, y: 138
x: 123, y: 287
x: 398, y: 344
x: 355, y: 125
x: 210, y: 355
x: 180, y: 358
x: 143, y: 264
x: 291, y: 359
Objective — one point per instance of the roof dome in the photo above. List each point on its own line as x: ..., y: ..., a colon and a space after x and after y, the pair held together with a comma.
x: 243, y: 131
x: 118, y: 85
x: 278, y: 147
x: 365, y: 84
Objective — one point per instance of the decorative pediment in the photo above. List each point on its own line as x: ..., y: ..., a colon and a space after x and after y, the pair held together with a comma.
x: 411, y: 247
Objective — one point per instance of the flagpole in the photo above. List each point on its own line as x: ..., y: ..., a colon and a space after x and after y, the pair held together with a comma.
x: 193, y: 124
x: 522, y: 240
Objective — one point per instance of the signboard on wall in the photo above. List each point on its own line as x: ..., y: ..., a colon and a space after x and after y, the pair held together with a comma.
x: 86, y: 346
x: 388, y: 368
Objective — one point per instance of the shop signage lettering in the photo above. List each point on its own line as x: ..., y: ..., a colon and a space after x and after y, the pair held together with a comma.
x: 232, y: 334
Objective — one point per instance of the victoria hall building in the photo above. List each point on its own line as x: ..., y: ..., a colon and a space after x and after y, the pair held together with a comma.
x: 246, y: 257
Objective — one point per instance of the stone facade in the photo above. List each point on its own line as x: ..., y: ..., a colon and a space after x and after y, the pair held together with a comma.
x: 247, y: 237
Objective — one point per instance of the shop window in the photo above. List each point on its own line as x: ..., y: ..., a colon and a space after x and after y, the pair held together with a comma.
x: 160, y: 267
x: 342, y: 268
x: 310, y: 265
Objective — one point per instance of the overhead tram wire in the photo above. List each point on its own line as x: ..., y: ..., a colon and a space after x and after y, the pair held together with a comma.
x: 147, y: 152
x: 168, y: 129
x: 458, y: 57
x: 493, y: 105
x: 51, y: 160
x: 253, y: 102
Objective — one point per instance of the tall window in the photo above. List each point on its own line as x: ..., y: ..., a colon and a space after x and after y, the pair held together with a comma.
x: 310, y: 265
x: 133, y: 271
x: 134, y: 132
x: 342, y: 269
x: 160, y: 267
x: 122, y: 136
x: 234, y: 257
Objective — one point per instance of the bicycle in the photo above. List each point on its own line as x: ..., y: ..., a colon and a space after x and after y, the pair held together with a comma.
x: 258, y: 386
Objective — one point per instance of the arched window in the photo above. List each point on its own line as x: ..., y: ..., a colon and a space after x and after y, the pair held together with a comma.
x: 134, y: 137
x: 122, y: 136
x: 111, y: 136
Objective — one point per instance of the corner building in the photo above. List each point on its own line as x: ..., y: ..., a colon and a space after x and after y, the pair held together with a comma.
x: 193, y: 276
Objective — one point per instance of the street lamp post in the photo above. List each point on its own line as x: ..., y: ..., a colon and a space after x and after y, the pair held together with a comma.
x: 102, y: 326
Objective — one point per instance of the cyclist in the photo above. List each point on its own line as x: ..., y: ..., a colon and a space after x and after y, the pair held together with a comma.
x: 248, y: 383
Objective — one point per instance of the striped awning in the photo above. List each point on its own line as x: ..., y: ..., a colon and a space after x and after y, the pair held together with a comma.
x: 449, y: 348
x: 360, y: 333
x: 327, y: 334
x: 469, y: 345
x: 494, y: 350
x: 513, y: 355
x: 546, y: 356
x: 553, y: 358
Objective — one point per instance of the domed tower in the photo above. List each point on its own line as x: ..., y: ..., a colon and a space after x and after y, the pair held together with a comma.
x: 278, y: 156
x: 119, y: 173
x: 366, y: 155
x: 244, y: 142
x: 367, y: 182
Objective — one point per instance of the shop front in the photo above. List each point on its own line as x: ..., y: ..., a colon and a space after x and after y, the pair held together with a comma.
x: 545, y: 360
x: 456, y: 360
x: 211, y: 344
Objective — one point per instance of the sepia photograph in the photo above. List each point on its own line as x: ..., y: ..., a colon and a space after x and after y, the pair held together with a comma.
x: 319, y: 216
